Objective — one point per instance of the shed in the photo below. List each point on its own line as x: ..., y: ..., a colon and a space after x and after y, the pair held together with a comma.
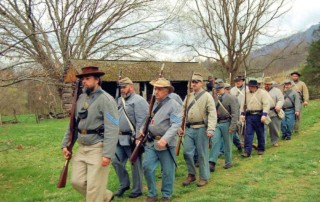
x: 140, y: 72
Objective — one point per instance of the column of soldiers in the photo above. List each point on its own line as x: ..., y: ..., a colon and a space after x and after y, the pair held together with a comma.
x: 108, y: 130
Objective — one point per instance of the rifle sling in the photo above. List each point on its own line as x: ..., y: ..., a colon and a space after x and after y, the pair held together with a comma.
x: 160, y: 105
x: 195, y: 99
x: 131, y: 125
x: 223, y: 107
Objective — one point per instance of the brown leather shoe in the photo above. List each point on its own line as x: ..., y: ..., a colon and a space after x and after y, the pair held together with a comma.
x: 255, y: 146
x: 165, y: 199
x: 190, y: 178
x: 245, y: 155
x: 260, y: 152
x: 151, y: 199
x: 202, y: 183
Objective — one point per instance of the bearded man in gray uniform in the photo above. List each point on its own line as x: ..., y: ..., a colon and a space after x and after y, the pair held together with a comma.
x: 98, y: 129
x: 161, y: 141
x: 133, y: 110
x: 276, y: 100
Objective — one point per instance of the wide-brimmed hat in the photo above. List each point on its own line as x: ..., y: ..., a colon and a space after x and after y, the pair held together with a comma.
x: 162, y: 82
x: 253, y: 83
x: 197, y: 77
x: 295, y: 72
x: 90, y: 71
x: 125, y: 81
x: 227, y: 85
x: 287, y: 81
x: 238, y: 78
x: 268, y: 80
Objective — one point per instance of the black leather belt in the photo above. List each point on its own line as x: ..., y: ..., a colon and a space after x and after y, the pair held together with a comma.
x: 254, y: 112
x: 125, y: 133
x: 288, y: 108
x: 223, y: 119
x: 151, y: 137
x: 272, y: 108
x: 188, y: 124
x: 85, y: 132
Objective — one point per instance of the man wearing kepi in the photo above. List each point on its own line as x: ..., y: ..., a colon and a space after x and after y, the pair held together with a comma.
x: 276, y: 101
x: 291, y: 107
x: 303, y: 93
x: 200, y: 124
x: 161, y: 141
x: 133, y: 110
x: 255, y: 116
x: 228, y: 114
x: 98, y: 126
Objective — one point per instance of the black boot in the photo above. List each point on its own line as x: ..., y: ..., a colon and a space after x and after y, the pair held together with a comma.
x: 212, y: 166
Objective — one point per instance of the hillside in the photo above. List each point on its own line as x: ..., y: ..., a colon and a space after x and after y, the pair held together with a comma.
x: 285, y: 54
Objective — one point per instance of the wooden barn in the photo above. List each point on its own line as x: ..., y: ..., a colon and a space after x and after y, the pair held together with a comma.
x: 140, y: 72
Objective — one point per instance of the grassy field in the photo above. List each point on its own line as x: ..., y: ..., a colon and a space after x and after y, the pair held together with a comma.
x: 31, y: 161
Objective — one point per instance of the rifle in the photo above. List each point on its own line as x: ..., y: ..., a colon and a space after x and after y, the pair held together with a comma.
x: 243, y: 131
x: 142, y: 139
x: 118, y: 92
x: 183, y: 123
x: 73, y: 134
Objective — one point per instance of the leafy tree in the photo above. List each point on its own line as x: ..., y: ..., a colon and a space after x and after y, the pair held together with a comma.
x: 311, y: 71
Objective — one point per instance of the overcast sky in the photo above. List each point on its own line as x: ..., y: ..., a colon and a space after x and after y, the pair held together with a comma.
x: 303, y: 14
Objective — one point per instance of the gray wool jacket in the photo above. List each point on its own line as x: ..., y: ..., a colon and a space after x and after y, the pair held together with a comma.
x: 101, y: 112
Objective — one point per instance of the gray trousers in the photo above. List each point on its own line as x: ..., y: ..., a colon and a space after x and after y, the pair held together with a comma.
x: 274, y: 129
x: 297, y: 121
x: 119, y: 163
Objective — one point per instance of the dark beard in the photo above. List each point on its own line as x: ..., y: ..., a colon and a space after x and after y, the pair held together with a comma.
x: 87, y: 90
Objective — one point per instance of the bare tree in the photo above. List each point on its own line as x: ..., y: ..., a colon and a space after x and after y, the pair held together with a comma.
x: 229, y: 29
x: 50, y: 32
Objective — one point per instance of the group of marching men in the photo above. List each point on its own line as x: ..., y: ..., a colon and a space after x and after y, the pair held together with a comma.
x: 108, y: 130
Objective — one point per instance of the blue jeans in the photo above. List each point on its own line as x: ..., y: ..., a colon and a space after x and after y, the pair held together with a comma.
x: 221, y: 134
x: 254, y: 124
x: 196, y: 139
x: 151, y: 159
x: 287, y: 123
x: 123, y: 153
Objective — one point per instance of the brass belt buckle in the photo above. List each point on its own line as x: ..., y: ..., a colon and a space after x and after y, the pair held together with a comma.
x: 158, y: 137
x: 83, y: 131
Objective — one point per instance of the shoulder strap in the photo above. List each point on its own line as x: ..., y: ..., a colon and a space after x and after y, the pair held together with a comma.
x: 160, y: 105
x: 195, y: 99
x: 224, y: 108
x: 90, y: 101
x: 287, y: 96
x: 271, y: 98
x: 131, y: 125
x: 239, y: 91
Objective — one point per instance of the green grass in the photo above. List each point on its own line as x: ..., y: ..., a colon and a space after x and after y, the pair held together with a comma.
x: 31, y: 161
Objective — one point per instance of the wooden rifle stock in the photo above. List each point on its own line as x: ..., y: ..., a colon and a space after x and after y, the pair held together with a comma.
x: 183, y: 122
x: 136, y: 151
x: 143, y: 137
x: 72, y: 136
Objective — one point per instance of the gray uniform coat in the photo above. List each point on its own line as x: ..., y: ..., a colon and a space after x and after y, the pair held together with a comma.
x: 103, y: 111
x: 137, y: 111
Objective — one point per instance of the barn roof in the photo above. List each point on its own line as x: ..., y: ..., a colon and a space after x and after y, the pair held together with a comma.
x: 138, y: 71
